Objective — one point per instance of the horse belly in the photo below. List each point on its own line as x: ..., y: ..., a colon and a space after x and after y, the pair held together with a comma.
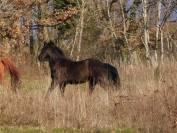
x: 73, y: 73
x: 77, y: 76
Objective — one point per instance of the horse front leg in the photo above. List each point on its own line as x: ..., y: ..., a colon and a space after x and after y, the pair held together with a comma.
x: 14, y: 85
x: 62, y: 88
x: 51, y: 88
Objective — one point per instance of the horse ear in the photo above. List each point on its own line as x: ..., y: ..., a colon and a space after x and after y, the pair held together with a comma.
x: 45, y: 43
x: 51, y: 42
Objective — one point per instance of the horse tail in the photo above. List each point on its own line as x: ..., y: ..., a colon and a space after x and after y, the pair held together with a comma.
x: 113, y: 76
x: 14, y: 73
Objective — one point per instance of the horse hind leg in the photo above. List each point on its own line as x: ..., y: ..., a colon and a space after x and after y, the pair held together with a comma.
x: 103, y: 83
x: 92, y: 83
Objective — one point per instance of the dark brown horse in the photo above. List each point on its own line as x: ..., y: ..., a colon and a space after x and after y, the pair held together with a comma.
x: 65, y: 71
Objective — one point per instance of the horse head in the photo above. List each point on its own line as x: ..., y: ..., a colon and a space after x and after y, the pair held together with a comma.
x: 50, y: 51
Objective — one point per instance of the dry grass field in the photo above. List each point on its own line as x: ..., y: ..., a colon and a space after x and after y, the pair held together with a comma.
x: 145, y: 103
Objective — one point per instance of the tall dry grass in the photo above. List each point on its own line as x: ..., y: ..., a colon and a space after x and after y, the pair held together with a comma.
x: 146, y: 102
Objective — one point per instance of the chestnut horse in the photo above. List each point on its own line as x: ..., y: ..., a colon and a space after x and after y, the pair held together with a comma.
x: 7, y: 65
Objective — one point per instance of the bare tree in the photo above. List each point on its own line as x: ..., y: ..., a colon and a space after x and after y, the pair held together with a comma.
x: 81, y: 27
x: 145, y: 16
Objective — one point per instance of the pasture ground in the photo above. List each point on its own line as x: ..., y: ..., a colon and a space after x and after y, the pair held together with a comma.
x: 146, y: 102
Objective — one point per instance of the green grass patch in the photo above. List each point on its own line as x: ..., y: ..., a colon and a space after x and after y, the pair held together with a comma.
x: 68, y: 130
x: 63, y: 130
x: 126, y: 130
x: 12, y: 130
x: 27, y: 85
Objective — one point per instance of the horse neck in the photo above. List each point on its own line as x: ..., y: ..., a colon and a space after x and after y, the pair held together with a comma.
x: 52, y: 63
x: 58, y: 54
x: 53, y: 60
x: 56, y: 57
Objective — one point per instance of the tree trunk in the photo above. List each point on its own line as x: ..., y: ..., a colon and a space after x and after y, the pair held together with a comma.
x: 145, y: 28
x: 81, y: 27
x: 110, y: 21
x: 124, y: 21
x: 158, y: 31
x: 162, y: 46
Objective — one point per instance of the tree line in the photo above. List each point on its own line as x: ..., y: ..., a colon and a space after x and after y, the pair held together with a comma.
x: 124, y: 30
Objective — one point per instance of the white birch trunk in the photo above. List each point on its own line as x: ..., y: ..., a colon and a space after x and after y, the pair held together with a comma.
x: 158, y: 30
x: 124, y: 21
x: 145, y: 28
x: 81, y: 28
x: 110, y: 21
x: 74, y: 42
x: 162, y: 46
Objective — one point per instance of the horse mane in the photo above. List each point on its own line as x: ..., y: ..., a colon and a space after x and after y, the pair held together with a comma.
x: 55, y: 48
